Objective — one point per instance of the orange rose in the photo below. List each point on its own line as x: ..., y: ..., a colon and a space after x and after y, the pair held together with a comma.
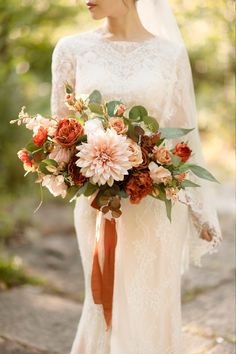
x: 118, y: 124
x: 68, y: 131
x: 138, y: 186
x: 161, y: 155
x: 40, y: 136
x: 182, y: 150
x: 148, y: 142
x: 145, y: 158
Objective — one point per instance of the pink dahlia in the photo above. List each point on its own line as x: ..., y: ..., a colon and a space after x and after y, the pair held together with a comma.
x: 105, y: 157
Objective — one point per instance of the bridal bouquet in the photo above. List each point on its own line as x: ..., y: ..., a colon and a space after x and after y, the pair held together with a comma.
x: 107, y: 150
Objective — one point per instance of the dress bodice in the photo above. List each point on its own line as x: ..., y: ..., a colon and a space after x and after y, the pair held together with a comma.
x: 134, y: 72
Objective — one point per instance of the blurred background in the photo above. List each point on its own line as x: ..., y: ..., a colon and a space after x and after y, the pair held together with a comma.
x: 38, y: 256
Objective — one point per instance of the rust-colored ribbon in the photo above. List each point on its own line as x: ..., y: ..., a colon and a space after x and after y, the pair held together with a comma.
x: 102, y: 283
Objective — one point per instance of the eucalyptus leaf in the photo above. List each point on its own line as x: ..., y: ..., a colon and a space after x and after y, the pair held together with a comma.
x: 95, y: 108
x: 95, y: 97
x: 151, y: 123
x: 202, y: 172
x: 31, y: 147
x: 169, y: 133
x: 137, y: 113
x: 50, y: 162
x: 111, y: 105
x: 81, y: 139
x: 88, y: 189
x: 43, y: 169
x: 123, y: 194
x: 131, y: 133
x: 188, y: 183
x: 168, y: 205
x: 175, y: 159
x: 91, y: 188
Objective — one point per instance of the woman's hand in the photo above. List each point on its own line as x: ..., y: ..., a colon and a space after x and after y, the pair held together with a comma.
x: 205, y: 234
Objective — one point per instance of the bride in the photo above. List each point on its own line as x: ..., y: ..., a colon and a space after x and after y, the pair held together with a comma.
x: 138, y: 56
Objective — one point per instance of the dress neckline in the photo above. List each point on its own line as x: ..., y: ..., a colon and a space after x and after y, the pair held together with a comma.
x: 123, y: 41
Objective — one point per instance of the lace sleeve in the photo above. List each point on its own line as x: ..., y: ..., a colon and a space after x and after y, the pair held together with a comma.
x: 181, y: 112
x: 63, y: 69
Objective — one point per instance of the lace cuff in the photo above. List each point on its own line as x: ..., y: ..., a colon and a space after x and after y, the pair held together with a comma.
x: 200, y: 219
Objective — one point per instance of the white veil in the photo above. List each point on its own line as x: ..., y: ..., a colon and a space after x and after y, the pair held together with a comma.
x: 157, y: 17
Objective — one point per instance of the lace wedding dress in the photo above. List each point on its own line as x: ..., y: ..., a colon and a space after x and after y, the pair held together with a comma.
x: 151, y: 252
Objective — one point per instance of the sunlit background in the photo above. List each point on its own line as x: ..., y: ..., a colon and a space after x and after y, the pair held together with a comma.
x: 28, y: 32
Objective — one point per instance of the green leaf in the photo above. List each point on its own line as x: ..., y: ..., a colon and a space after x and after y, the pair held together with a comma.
x: 123, y: 194
x: 188, y: 183
x: 43, y: 169
x: 175, y: 159
x: 31, y: 147
x: 88, y: 189
x: 202, y: 172
x: 95, y: 97
x: 111, y: 107
x: 81, y: 139
x: 169, y: 133
x: 95, y: 108
x: 137, y: 113
x: 151, y: 123
x: 50, y: 162
x: 68, y: 88
x: 160, y: 141
x: 168, y: 204
x: 131, y: 133
x: 80, y: 120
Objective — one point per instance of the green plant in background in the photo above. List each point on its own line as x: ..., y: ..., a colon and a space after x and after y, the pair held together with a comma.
x: 12, y: 273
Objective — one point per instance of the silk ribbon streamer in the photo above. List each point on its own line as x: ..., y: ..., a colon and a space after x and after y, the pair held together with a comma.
x: 102, y: 281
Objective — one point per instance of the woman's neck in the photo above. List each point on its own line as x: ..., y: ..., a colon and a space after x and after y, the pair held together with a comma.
x: 128, y: 27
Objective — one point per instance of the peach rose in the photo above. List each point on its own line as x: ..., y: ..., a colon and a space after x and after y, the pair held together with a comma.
x: 118, y: 124
x: 181, y: 177
x: 68, y: 131
x: 120, y: 109
x: 60, y: 154
x: 55, y: 184
x: 159, y: 174
x: 136, y: 157
x: 161, y: 155
x: 171, y: 193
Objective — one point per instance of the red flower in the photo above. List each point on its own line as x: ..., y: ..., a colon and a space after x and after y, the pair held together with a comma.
x: 24, y: 157
x: 40, y: 137
x: 68, y: 131
x: 182, y: 150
